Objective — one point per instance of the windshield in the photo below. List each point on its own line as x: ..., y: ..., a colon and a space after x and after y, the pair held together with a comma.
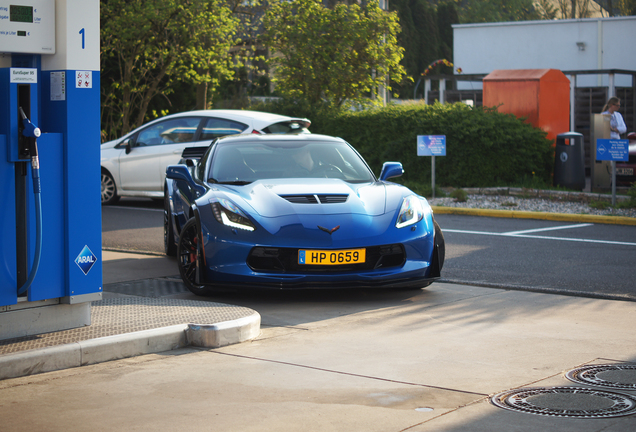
x: 242, y: 163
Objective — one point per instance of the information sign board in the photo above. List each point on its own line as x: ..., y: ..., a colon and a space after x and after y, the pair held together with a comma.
x: 612, y: 150
x: 431, y: 145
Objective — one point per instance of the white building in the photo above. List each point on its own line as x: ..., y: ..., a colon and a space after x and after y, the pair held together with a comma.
x: 567, y: 45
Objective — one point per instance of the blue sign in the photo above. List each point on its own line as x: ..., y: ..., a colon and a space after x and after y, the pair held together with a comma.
x: 612, y: 150
x: 85, y: 260
x: 431, y: 145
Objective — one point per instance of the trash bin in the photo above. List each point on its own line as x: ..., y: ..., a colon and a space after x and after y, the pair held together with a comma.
x: 569, y: 157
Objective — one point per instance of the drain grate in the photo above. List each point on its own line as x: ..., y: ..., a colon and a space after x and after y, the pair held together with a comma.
x: 573, y: 402
x: 615, y: 376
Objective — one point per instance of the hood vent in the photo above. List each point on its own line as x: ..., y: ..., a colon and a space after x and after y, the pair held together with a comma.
x: 315, y: 199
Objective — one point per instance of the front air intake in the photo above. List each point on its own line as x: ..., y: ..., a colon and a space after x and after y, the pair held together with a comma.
x: 315, y: 199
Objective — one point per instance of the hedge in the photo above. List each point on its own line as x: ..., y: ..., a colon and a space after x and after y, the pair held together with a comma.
x: 484, y: 148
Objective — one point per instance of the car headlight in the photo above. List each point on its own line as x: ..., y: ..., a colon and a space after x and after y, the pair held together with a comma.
x: 411, y: 212
x: 230, y: 215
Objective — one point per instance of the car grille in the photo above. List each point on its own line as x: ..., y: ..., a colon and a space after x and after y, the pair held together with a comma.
x: 286, y: 260
x: 315, y: 199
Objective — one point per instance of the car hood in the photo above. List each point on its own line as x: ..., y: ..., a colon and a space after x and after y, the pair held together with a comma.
x: 271, y: 199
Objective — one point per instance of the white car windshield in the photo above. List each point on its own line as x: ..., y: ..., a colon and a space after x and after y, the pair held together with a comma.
x: 242, y: 163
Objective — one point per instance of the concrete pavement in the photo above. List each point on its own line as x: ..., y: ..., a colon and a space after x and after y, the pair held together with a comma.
x: 429, y: 360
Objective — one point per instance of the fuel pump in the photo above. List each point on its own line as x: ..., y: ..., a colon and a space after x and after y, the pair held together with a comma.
x: 50, y: 220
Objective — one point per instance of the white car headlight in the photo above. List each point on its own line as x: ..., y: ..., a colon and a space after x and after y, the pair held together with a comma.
x: 411, y: 212
x: 230, y: 215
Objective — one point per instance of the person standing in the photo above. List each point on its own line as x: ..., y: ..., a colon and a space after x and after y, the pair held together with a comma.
x: 617, y: 124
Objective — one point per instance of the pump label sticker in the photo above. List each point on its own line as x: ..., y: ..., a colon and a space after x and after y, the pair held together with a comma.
x: 85, y: 260
x: 24, y: 75
x: 58, y: 86
x: 84, y: 79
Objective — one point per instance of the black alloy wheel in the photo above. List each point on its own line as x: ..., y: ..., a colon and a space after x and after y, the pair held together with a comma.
x: 189, y: 254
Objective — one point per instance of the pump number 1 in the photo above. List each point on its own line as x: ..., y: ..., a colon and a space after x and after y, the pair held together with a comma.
x: 83, y: 33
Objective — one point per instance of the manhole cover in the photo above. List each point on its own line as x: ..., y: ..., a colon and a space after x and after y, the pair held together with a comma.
x: 614, y: 376
x: 573, y: 402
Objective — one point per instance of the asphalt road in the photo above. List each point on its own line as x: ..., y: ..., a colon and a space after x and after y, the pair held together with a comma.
x: 543, y: 255
x: 549, y: 256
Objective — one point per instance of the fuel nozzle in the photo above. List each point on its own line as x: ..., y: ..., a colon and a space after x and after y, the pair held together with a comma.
x: 30, y: 130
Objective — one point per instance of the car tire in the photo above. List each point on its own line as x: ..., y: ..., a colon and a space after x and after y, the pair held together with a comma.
x: 189, y: 257
x: 440, y: 243
x: 169, y: 245
x: 109, y: 189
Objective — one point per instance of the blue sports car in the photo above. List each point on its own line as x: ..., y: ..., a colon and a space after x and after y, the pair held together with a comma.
x: 296, y: 211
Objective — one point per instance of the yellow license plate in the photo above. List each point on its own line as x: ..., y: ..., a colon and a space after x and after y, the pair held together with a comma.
x: 334, y: 257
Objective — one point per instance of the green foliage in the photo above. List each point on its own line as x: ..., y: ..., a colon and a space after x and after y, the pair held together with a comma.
x: 632, y: 192
x: 600, y: 205
x: 426, y: 36
x: 631, y: 202
x: 460, y: 195
x: 627, y: 7
x: 446, y: 17
x: 480, y: 11
x: 149, y: 45
x: 338, y: 55
x: 484, y: 148
x: 624, y: 204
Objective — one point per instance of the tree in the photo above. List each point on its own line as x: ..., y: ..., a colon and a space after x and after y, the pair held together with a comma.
x: 446, y: 17
x: 148, y: 45
x: 338, y: 55
x: 627, y: 7
x: 480, y: 11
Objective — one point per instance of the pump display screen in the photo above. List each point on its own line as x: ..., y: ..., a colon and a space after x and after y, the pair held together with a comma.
x: 21, y: 13
x: 28, y: 26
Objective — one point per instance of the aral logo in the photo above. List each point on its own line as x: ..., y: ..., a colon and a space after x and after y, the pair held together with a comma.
x: 85, y: 260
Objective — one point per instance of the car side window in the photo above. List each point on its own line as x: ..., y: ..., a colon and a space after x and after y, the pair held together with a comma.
x: 171, y: 131
x: 199, y: 172
x: 216, y: 127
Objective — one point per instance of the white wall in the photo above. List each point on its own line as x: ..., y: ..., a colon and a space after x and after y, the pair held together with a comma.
x: 610, y: 43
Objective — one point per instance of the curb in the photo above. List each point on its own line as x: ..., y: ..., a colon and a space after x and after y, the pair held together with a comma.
x: 127, y: 345
x: 515, y: 214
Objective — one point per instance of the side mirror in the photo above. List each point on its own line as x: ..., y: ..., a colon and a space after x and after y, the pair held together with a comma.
x: 179, y: 172
x: 182, y: 172
x: 391, y: 169
x: 128, y: 144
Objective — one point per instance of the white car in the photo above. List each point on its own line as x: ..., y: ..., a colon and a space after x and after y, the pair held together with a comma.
x: 135, y: 165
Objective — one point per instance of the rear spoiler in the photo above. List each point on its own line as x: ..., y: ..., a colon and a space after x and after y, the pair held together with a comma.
x: 193, y: 152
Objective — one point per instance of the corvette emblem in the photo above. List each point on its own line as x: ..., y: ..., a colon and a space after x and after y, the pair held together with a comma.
x: 330, y: 231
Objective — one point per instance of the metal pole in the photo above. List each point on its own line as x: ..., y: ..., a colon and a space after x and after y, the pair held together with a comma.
x: 572, y: 100
x: 433, y: 174
x: 427, y: 88
x: 613, y: 183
